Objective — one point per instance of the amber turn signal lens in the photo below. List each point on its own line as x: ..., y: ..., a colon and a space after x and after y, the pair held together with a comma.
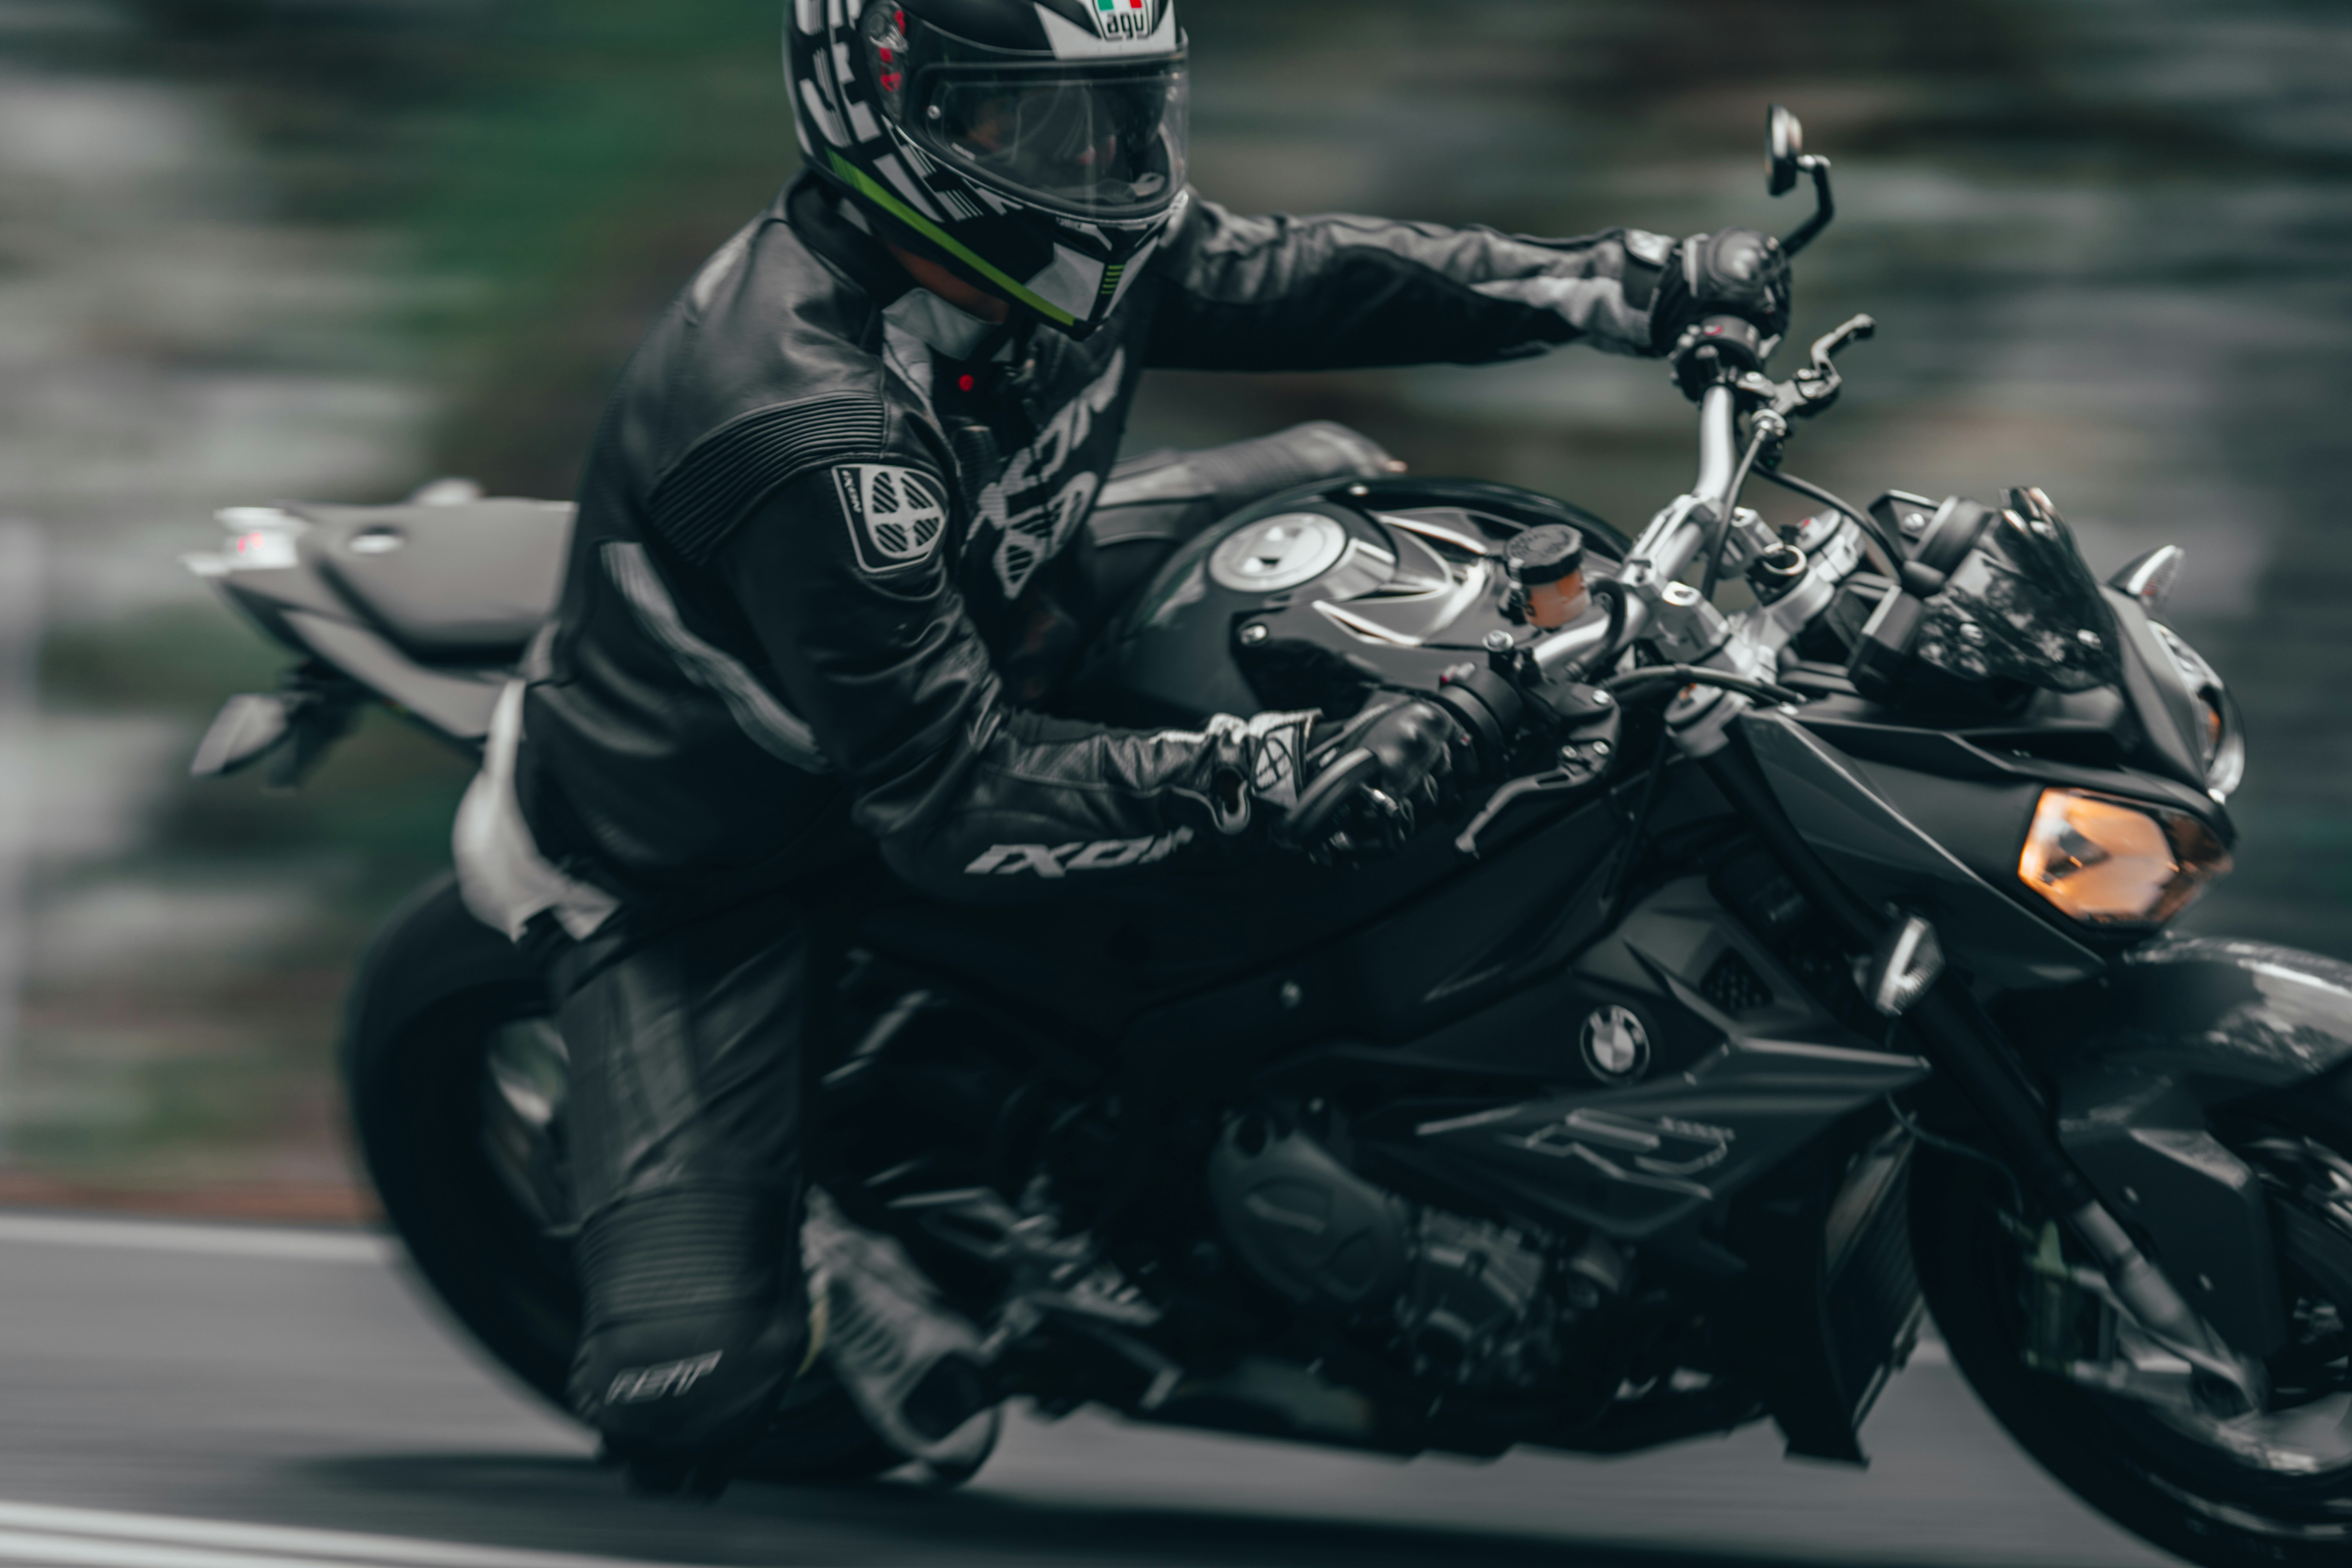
x: 2109, y: 862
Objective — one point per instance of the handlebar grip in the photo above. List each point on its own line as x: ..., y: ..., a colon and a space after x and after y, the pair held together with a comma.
x: 1324, y: 799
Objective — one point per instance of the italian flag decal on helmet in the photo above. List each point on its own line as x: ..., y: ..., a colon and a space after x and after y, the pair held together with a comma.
x: 1126, y: 19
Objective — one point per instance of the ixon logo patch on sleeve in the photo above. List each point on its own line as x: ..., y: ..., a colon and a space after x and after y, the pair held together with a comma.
x: 897, y: 516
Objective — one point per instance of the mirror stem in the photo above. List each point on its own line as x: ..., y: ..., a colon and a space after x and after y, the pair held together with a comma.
x: 1825, y: 207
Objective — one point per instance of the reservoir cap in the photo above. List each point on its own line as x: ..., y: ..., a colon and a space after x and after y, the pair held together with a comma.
x: 1545, y: 553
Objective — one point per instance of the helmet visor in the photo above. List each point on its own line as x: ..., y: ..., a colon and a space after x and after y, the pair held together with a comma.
x: 1097, y: 141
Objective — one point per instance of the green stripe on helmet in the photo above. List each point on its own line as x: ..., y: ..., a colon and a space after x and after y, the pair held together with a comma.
x: 881, y: 197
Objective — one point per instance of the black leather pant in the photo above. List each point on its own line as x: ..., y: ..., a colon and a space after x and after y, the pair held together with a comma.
x: 685, y: 1027
x: 685, y: 1108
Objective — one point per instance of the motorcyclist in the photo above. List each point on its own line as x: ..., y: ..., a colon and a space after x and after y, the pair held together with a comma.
x: 833, y: 565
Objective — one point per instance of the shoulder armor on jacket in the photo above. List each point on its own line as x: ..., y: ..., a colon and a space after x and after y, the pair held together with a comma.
x: 706, y: 493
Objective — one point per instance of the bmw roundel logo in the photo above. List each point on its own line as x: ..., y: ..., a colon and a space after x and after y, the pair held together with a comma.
x: 1616, y: 1045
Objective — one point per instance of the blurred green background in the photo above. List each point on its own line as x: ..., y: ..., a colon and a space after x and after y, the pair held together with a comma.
x: 255, y: 249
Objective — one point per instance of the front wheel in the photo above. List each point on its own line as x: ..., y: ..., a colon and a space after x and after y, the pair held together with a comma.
x: 2270, y: 1489
x: 454, y: 1074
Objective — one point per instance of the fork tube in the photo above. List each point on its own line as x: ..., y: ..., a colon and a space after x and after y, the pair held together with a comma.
x: 1961, y: 1041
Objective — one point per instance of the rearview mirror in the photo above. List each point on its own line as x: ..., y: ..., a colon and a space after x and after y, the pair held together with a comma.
x: 1784, y: 143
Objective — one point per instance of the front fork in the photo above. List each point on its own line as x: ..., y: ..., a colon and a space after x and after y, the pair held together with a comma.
x: 1968, y: 1049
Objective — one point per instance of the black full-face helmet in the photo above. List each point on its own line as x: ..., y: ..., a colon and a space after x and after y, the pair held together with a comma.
x: 1033, y: 147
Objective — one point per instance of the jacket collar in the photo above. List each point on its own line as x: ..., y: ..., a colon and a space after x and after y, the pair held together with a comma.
x: 835, y: 230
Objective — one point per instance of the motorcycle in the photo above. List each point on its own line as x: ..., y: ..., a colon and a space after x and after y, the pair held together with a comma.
x: 1784, y: 973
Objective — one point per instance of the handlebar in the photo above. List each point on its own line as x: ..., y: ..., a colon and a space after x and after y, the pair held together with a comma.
x: 1671, y: 541
x: 1719, y: 447
x: 1720, y: 363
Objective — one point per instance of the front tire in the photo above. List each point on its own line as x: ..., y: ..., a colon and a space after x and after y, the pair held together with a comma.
x: 453, y: 1070
x: 2219, y: 1493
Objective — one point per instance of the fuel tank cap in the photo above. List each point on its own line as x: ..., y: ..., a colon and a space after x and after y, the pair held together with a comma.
x: 1277, y: 552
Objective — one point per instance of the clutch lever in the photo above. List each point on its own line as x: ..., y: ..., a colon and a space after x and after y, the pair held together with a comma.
x: 1588, y: 751
x: 1817, y: 385
x: 1856, y: 329
x: 1503, y: 799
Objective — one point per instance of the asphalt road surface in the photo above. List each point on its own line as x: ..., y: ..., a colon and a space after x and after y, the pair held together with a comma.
x: 198, y: 1396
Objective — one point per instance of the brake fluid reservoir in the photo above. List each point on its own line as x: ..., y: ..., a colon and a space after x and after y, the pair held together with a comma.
x: 1547, y: 564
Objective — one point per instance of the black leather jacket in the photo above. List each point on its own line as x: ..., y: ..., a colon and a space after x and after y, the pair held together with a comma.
x: 829, y: 560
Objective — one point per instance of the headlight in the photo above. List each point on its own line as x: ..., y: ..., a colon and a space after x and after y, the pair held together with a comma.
x: 2221, y: 733
x: 2111, y: 862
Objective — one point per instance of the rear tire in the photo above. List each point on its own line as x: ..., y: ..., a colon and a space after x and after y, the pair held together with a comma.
x: 2152, y: 1475
x: 467, y: 1181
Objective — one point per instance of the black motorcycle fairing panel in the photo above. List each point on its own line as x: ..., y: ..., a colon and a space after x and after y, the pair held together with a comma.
x: 1681, y: 946
x: 2061, y: 752
x: 1685, y: 972
x: 1980, y: 822
x: 1478, y: 932
x: 2167, y: 712
x: 1532, y: 1037
x: 1105, y: 962
x: 1828, y: 1307
x: 1887, y: 858
x: 2179, y: 1027
x: 1690, y: 975
x: 1636, y: 1162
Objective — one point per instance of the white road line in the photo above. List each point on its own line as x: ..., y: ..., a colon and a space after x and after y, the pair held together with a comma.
x: 255, y: 1241
x: 69, y: 1550
x: 32, y: 1532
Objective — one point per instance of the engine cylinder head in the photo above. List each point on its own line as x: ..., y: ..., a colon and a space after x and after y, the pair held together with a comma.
x: 1462, y: 1302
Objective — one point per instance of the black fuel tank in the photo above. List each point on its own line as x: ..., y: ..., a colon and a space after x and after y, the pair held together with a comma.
x: 1309, y: 598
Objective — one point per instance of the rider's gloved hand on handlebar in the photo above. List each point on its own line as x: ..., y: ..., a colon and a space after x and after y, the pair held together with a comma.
x: 1741, y: 273
x: 1366, y: 779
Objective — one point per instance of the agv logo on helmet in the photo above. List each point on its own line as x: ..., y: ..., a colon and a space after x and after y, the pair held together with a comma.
x: 1126, y: 19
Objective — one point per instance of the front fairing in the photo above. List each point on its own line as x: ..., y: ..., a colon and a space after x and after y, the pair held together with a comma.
x: 1928, y: 810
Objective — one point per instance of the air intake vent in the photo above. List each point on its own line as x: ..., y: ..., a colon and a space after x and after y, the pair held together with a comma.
x: 1733, y: 984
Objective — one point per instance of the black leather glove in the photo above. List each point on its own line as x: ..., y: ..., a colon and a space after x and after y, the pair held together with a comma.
x: 1711, y: 284
x: 1365, y: 779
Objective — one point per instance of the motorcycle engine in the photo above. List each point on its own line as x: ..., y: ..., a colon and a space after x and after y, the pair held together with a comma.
x: 1462, y: 1300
